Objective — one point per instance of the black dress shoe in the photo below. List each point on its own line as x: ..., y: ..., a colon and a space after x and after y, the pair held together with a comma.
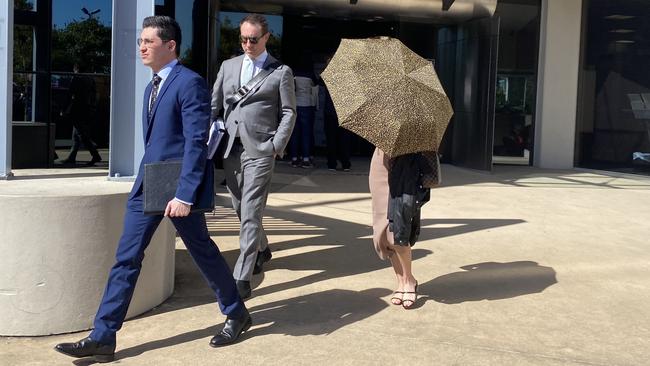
x: 244, y: 289
x: 232, y: 330
x: 262, y: 257
x: 88, y: 348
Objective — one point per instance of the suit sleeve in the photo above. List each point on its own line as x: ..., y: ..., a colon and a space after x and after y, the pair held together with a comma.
x: 195, y: 118
x: 217, y: 95
x: 287, y: 111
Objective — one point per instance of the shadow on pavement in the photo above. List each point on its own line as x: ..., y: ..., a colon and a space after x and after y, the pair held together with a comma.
x: 331, y: 248
x: 328, y: 311
x: 488, y: 281
x: 313, y: 314
x: 167, y: 342
x: 451, y: 227
x: 317, y: 313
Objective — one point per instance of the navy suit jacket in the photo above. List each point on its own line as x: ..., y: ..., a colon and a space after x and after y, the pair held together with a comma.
x: 178, y: 129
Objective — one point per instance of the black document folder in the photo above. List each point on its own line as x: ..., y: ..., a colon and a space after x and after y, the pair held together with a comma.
x: 161, y: 181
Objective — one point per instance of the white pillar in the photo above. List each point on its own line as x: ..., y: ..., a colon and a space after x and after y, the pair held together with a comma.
x: 6, y: 85
x: 129, y: 79
x: 559, y: 62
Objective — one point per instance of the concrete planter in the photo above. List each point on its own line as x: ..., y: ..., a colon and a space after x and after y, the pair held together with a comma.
x: 58, y: 241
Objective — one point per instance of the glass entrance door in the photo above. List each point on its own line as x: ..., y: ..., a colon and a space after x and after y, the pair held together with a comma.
x: 465, y: 58
x: 466, y: 62
x: 516, y: 83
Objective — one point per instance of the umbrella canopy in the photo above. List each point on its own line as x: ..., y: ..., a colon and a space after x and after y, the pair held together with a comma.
x: 387, y: 94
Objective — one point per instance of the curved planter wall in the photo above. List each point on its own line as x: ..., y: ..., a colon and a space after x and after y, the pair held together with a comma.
x: 57, y: 244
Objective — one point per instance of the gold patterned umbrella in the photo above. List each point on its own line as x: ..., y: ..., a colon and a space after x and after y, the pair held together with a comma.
x: 387, y: 94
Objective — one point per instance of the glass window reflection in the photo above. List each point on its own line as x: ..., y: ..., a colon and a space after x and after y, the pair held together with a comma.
x: 81, y: 49
x: 229, y: 35
x: 23, y: 88
x: 613, y: 122
x: 23, y: 83
x: 28, y: 5
x: 516, y: 81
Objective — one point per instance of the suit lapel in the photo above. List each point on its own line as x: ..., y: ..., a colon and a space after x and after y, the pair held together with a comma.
x: 238, y: 66
x: 269, y: 60
x: 161, y: 94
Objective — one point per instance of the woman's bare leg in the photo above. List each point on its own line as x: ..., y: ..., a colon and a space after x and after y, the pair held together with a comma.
x: 399, y: 273
x: 403, y: 254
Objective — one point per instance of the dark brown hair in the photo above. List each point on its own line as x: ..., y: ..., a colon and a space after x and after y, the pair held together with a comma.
x: 256, y: 19
x: 168, y: 29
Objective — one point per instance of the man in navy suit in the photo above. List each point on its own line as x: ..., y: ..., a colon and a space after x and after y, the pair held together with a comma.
x: 176, y: 116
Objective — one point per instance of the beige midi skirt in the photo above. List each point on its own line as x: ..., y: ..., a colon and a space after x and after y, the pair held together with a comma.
x: 378, y: 181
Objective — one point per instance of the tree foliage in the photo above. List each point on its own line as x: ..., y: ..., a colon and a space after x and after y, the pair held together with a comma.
x: 85, y: 42
x: 23, y: 5
x: 23, y: 48
x: 23, y: 40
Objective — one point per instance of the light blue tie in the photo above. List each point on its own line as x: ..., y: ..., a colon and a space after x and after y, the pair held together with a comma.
x: 247, y: 72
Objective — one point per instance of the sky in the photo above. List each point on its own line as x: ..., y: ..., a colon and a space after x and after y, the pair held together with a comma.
x: 65, y: 11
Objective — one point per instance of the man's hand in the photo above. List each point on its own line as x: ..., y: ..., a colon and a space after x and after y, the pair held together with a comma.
x: 177, y: 209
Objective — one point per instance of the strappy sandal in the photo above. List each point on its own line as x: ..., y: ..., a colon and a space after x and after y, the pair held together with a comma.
x: 412, y: 302
x: 398, y: 298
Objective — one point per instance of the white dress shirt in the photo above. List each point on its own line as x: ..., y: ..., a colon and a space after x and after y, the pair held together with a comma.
x: 305, y: 90
x: 258, y: 63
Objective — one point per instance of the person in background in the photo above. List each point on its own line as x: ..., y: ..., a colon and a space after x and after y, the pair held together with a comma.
x: 81, y: 111
x: 337, y: 137
x: 302, y: 139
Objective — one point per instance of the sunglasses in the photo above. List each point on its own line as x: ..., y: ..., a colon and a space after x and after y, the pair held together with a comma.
x: 252, y: 40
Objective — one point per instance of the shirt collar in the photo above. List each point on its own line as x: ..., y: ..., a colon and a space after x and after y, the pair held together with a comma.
x: 260, y: 60
x: 167, y: 69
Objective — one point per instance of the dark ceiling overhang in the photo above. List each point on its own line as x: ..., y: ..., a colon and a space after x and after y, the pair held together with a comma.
x: 429, y: 11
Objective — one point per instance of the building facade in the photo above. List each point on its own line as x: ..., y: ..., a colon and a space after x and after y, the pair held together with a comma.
x: 547, y: 83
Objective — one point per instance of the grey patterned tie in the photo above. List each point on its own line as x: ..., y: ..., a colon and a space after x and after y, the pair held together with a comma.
x: 154, y: 91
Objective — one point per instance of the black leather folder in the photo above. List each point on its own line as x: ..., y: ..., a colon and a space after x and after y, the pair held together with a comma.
x: 161, y: 181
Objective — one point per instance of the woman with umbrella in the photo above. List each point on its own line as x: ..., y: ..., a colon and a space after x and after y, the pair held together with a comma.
x: 387, y: 94
x: 397, y: 195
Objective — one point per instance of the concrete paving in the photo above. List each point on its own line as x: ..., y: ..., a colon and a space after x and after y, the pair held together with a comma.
x: 520, y: 267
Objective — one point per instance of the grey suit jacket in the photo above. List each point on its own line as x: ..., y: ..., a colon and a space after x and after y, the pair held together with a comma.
x: 265, y: 117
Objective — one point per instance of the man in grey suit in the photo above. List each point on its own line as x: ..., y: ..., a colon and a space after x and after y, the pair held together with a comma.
x: 259, y: 127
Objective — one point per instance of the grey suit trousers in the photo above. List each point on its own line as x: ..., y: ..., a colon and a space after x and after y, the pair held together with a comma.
x: 248, y: 181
